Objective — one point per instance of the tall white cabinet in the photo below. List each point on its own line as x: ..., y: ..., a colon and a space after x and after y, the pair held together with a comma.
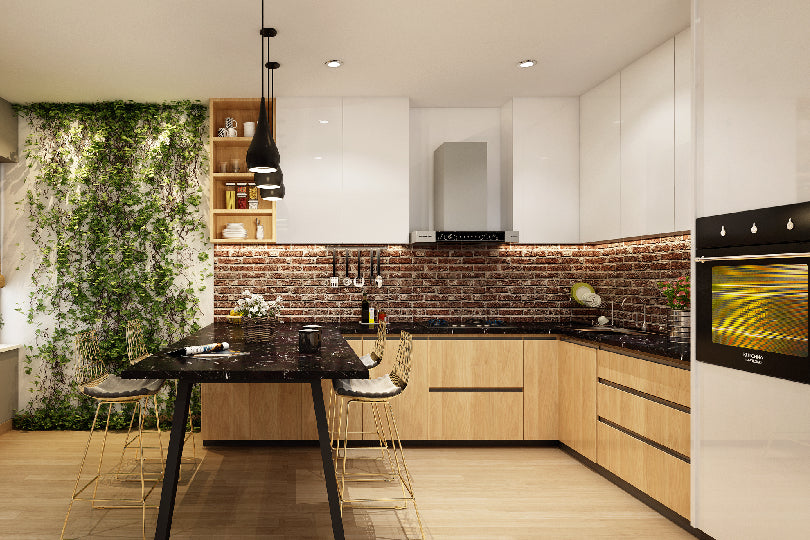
x: 346, y: 170
x: 635, y: 147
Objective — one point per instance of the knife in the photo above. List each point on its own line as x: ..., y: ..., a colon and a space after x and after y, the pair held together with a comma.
x: 347, y: 280
x: 359, y: 281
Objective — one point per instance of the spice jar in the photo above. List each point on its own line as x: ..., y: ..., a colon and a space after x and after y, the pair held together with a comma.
x: 230, y: 196
x: 253, y: 196
x: 241, y: 196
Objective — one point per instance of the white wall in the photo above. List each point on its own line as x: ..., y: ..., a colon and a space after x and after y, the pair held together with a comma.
x: 18, y: 261
x: 434, y: 126
x: 751, y: 434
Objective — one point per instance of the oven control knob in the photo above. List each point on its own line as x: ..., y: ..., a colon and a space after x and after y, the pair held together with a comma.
x: 723, y: 230
x: 754, y: 228
x: 790, y: 224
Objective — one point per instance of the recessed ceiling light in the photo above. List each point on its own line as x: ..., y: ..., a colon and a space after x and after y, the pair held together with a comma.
x: 318, y: 157
x: 527, y: 63
x: 334, y: 63
x: 323, y: 121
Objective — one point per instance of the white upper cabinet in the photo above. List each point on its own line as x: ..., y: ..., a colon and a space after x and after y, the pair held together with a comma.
x: 545, y: 169
x: 374, y: 202
x: 309, y: 133
x: 599, y: 162
x: 345, y: 164
x: 648, y: 143
x: 684, y: 166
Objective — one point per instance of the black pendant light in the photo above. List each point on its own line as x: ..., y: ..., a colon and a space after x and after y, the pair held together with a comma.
x: 262, y: 155
x: 271, y: 181
x: 275, y: 193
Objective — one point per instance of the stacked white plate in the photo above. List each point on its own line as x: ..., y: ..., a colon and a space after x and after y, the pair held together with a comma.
x: 234, y: 231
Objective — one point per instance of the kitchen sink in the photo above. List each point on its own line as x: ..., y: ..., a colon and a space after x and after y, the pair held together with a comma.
x: 611, y: 330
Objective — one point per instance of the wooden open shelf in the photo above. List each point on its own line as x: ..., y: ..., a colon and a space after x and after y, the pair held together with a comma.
x: 225, y: 149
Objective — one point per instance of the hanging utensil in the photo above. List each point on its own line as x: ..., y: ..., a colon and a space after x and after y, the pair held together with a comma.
x: 333, y: 281
x: 379, y: 280
x: 359, y: 281
x: 347, y: 280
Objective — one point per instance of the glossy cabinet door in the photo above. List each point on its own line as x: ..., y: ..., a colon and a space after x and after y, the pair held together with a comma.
x: 648, y: 143
x: 577, y: 398
x: 540, y: 392
x: 600, y: 162
x: 311, y: 152
x: 345, y: 162
x: 375, y: 191
x: 545, y: 169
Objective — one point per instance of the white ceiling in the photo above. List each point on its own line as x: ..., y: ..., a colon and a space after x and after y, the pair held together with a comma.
x: 440, y: 53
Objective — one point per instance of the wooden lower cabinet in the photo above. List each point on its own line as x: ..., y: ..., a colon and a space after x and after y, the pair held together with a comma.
x: 576, y: 376
x: 665, y: 425
x: 540, y: 396
x: 666, y: 382
x: 475, y: 388
x: 660, y: 475
x: 457, y: 416
x: 476, y: 362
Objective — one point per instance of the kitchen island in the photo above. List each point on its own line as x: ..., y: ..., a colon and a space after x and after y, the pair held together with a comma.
x: 274, y: 360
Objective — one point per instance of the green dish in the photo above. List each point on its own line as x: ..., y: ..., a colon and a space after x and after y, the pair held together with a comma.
x: 578, y: 292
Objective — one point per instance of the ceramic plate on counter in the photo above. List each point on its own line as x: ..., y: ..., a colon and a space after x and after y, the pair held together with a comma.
x: 579, y: 291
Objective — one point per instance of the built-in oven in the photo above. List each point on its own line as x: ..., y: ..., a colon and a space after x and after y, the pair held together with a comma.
x: 751, y: 291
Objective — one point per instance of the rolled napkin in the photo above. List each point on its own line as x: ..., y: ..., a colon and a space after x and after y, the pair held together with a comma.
x: 198, y: 349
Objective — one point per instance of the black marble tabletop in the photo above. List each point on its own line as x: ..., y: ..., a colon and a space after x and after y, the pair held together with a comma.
x: 276, y: 360
x: 648, y: 343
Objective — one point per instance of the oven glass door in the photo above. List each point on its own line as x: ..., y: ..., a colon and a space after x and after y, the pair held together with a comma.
x: 753, y: 315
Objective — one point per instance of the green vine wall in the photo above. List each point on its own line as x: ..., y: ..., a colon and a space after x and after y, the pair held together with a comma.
x: 114, y: 202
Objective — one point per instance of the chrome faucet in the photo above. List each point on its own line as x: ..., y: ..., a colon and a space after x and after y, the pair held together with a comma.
x: 644, y: 324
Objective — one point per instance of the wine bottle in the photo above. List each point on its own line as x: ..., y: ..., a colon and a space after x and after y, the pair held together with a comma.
x: 364, y: 309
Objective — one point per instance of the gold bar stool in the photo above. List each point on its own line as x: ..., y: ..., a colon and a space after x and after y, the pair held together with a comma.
x: 93, y: 381
x: 136, y: 351
x: 379, y: 392
x: 370, y: 360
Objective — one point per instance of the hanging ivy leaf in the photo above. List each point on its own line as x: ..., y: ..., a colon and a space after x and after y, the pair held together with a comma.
x: 114, y: 205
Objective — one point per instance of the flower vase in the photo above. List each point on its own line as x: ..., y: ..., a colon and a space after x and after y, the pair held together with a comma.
x: 257, y: 329
x: 680, y: 322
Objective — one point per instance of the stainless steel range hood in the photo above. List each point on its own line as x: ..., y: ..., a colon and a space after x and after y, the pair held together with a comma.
x: 460, y: 196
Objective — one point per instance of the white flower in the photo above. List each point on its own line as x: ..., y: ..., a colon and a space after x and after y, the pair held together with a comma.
x: 254, y: 305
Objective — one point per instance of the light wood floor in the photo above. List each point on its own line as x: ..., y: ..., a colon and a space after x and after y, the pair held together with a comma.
x: 279, y: 493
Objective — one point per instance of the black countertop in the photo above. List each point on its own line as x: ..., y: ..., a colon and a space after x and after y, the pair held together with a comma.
x: 650, y: 344
x: 275, y: 360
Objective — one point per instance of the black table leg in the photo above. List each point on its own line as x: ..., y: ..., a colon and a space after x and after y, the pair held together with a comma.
x: 172, y: 474
x: 326, y: 458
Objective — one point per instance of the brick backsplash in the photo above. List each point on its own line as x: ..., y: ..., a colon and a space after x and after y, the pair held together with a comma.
x: 517, y: 283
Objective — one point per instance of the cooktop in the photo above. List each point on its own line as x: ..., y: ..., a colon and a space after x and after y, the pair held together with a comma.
x: 466, y: 323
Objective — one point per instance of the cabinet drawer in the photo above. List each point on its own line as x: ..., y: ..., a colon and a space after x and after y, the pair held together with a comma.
x: 476, y: 363
x: 476, y: 415
x: 663, y: 477
x: 665, y: 382
x: 667, y: 426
